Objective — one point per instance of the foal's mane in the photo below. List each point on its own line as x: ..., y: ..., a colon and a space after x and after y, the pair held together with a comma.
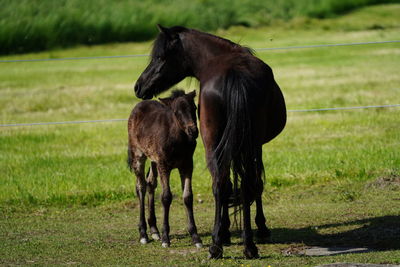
x: 177, y: 93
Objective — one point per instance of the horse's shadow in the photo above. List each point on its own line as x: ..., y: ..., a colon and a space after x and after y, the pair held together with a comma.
x: 378, y: 233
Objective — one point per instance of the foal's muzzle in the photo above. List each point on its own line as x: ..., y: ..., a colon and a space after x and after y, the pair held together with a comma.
x: 192, y: 132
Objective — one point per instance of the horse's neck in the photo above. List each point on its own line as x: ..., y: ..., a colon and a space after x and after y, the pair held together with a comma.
x: 204, y: 48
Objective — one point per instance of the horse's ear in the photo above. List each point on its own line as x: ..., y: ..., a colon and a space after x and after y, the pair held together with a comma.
x: 164, y: 30
x: 167, y: 31
x: 166, y: 101
x: 192, y: 94
x: 161, y: 28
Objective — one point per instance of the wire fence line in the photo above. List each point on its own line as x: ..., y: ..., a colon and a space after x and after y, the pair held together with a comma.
x: 146, y: 55
x: 119, y: 120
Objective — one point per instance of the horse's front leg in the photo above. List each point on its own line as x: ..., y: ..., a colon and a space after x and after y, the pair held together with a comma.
x: 151, y: 186
x: 166, y: 199
x: 186, y: 180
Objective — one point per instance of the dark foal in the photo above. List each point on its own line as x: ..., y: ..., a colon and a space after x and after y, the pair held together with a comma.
x: 241, y: 107
x: 165, y: 133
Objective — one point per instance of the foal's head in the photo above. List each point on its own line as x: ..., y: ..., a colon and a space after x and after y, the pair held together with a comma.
x: 167, y: 65
x: 184, y: 110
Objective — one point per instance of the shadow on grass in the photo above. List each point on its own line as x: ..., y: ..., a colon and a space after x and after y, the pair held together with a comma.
x: 380, y: 233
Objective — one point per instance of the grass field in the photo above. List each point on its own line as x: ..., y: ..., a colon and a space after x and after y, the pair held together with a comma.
x: 332, y: 177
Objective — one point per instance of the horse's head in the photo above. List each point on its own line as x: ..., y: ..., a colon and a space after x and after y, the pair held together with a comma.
x: 184, y: 110
x: 167, y: 65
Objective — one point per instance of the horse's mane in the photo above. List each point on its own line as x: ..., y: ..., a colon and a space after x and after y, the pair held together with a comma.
x: 160, y: 43
x: 227, y: 42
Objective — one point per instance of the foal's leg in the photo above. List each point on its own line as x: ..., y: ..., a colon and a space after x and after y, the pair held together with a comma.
x: 137, y: 165
x: 166, y: 199
x: 151, y: 186
x: 186, y: 180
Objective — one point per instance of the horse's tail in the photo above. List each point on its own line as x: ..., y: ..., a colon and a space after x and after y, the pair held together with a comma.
x: 237, y: 147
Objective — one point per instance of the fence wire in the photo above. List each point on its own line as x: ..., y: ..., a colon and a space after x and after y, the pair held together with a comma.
x: 119, y: 120
x: 146, y: 55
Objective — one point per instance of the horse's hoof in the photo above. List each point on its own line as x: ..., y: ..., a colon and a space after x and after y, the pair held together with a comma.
x: 165, y: 244
x: 155, y: 236
x: 143, y: 241
x: 251, y: 252
x: 198, y: 245
x: 215, y: 252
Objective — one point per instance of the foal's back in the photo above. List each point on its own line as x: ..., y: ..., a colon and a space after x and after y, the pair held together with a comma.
x: 155, y: 131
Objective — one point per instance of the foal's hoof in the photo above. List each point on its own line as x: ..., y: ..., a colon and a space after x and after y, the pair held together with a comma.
x: 199, y: 245
x: 143, y: 241
x: 251, y: 252
x: 165, y: 244
x: 215, y: 252
x: 155, y: 236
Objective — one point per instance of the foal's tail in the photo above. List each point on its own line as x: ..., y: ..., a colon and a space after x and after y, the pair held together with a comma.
x: 129, y: 159
x: 237, y: 147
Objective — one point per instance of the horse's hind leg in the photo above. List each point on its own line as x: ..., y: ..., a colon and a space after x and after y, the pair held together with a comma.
x: 137, y: 162
x: 250, y: 249
x: 186, y: 180
x: 151, y: 186
x: 263, y: 233
x: 166, y: 199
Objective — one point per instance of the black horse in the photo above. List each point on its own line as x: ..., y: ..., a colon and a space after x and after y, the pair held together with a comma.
x: 241, y: 107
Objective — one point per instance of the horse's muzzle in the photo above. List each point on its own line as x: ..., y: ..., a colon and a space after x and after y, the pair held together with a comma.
x: 140, y: 93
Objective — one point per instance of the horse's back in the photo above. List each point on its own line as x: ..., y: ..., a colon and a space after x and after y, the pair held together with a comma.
x: 265, y: 97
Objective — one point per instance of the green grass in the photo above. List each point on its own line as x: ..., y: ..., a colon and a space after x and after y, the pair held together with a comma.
x: 66, y: 193
x: 37, y: 25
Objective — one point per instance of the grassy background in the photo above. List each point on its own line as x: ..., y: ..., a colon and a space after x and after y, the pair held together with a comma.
x: 332, y: 177
x: 36, y: 25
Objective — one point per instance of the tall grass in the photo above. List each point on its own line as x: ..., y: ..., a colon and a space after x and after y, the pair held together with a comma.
x: 36, y: 25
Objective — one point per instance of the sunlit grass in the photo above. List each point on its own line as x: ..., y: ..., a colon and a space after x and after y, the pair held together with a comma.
x: 86, y: 162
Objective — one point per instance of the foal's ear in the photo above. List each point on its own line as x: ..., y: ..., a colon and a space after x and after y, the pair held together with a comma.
x: 166, y: 101
x: 192, y: 94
